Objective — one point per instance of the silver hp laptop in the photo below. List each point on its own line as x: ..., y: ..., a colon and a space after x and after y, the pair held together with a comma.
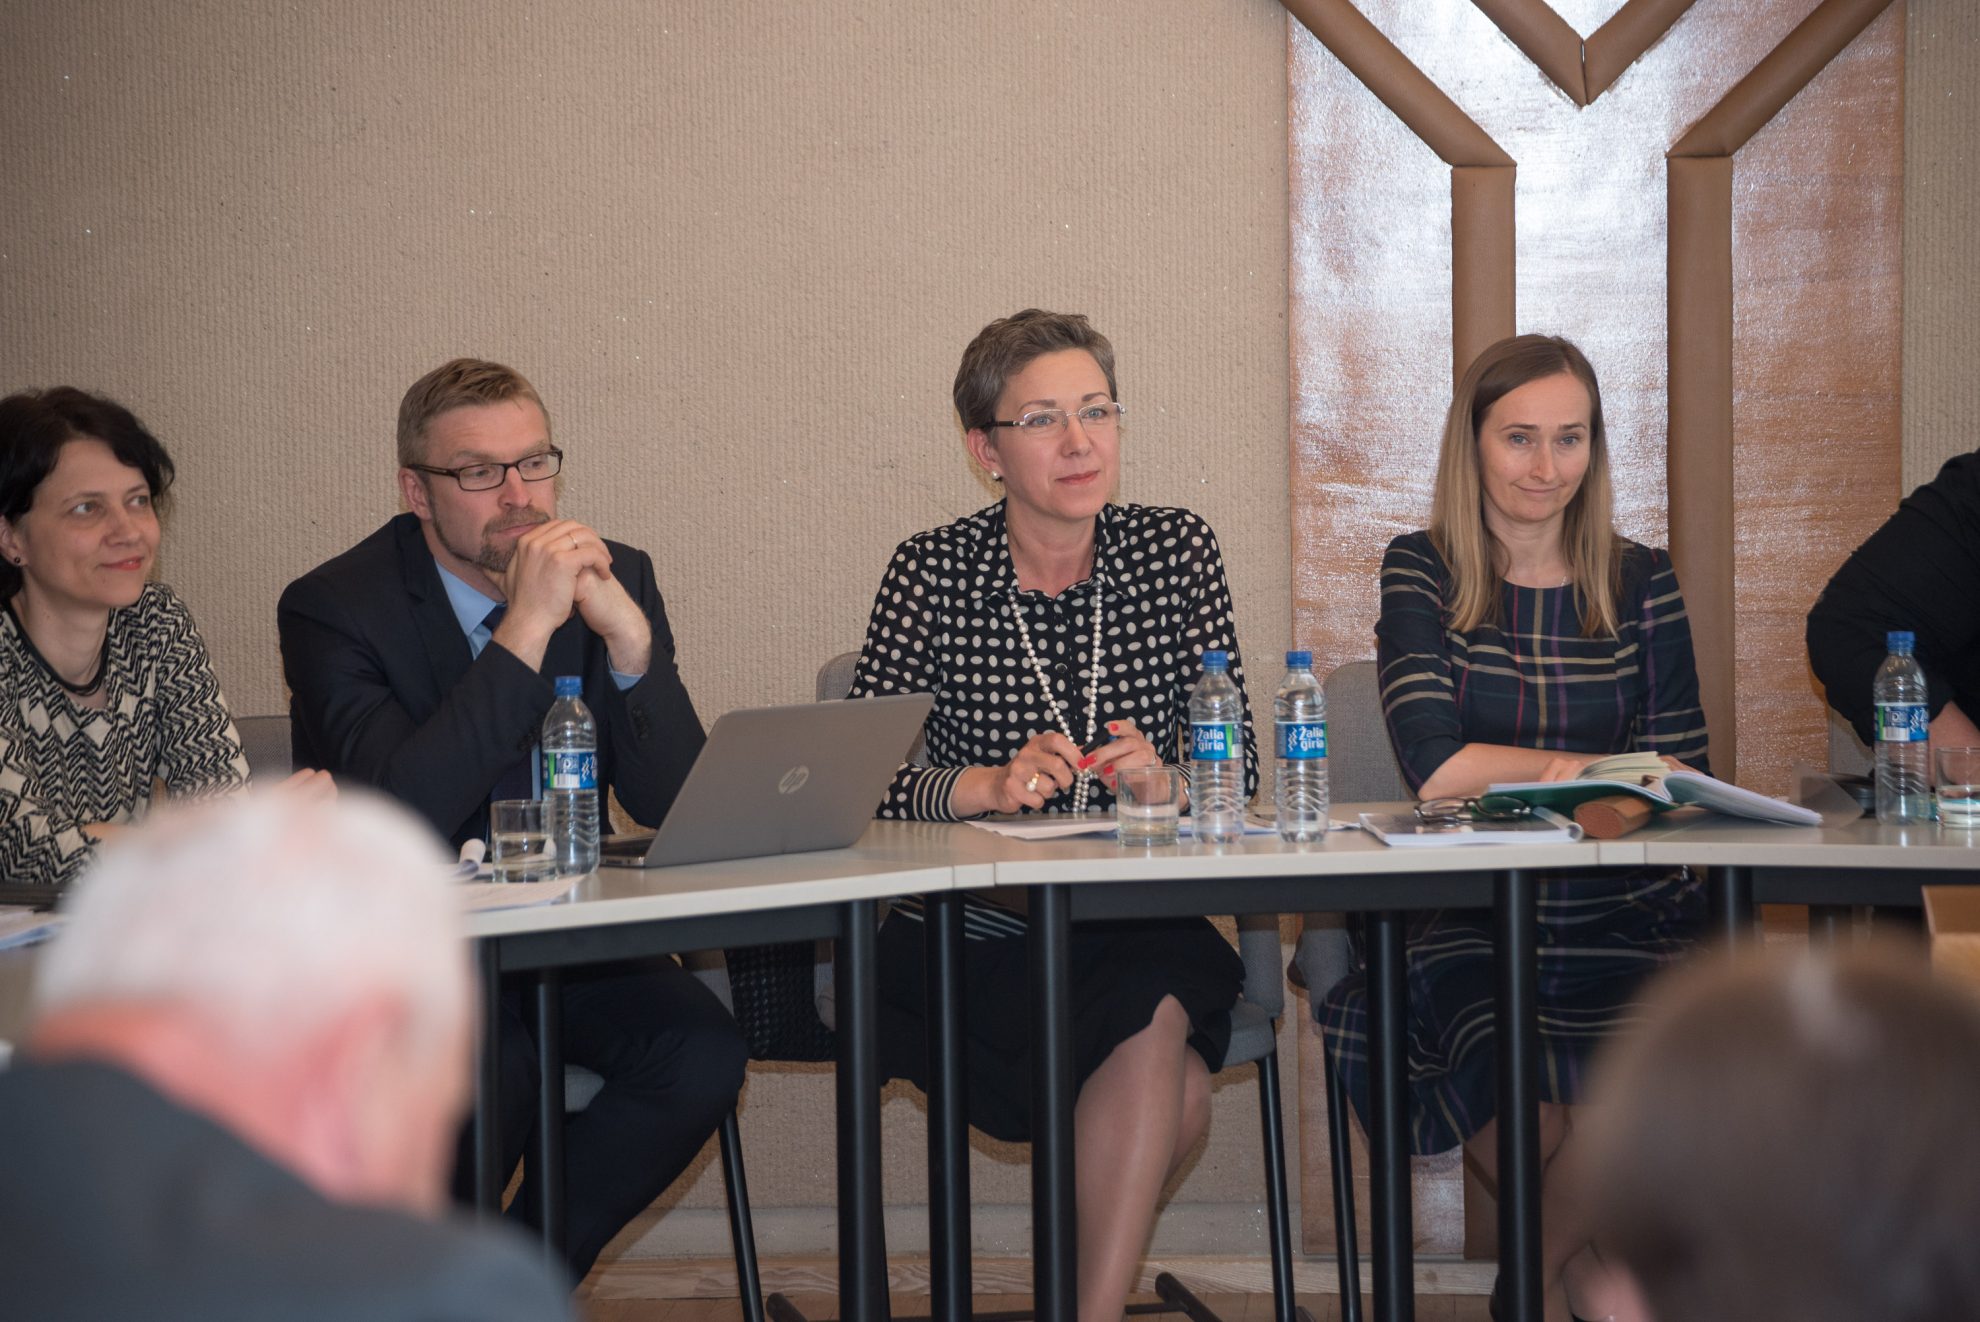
x: 782, y: 780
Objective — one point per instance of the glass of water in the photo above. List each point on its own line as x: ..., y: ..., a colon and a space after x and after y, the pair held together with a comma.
x: 1147, y: 805
x: 1957, y: 783
x: 518, y: 844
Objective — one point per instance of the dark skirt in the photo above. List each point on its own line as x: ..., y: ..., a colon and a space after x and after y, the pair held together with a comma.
x: 1120, y: 973
x: 1602, y: 935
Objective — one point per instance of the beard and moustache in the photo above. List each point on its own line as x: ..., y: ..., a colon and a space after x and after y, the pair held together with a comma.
x: 494, y: 554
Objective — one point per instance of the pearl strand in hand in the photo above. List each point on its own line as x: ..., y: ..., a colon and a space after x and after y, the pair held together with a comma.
x: 1083, y: 779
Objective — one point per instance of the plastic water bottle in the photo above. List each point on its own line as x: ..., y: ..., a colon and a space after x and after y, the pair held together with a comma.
x: 1299, y: 712
x: 1904, y: 759
x: 1216, y: 753
x: 570, y: 778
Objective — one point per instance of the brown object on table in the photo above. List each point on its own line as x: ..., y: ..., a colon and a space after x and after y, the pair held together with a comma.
x: 1952, y: 915
x: 1612, y: 817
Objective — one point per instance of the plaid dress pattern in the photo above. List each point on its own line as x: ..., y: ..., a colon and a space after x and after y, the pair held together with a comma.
x: 1530, y: 680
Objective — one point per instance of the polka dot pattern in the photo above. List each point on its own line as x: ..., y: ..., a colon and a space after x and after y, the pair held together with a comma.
x: 943, y: 623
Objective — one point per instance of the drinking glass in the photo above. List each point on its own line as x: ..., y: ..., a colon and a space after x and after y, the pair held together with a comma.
x: 1148, y: 805
x: 1957, y: 783
x: 518, y: 843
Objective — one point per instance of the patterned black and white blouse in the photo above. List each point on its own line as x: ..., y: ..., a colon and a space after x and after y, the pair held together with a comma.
x: 944, y: 623
x: 63, y: 766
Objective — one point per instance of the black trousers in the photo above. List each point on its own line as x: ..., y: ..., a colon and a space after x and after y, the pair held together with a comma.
x: 672, y: 1060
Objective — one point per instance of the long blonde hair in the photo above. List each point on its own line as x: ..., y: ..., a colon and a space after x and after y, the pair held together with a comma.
x: 1457, y: 519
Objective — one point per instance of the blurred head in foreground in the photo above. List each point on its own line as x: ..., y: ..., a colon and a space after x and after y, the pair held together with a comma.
x: 295, y: 970
x: 1793, y: 1138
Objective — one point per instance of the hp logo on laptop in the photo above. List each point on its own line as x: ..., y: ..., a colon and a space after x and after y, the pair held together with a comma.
x: 793, y: 780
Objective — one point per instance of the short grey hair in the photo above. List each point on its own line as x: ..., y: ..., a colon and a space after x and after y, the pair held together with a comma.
x: 267, y: 914
x: 1009, y: 345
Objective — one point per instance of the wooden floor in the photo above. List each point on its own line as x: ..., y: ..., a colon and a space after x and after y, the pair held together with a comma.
x: 823, y: 1308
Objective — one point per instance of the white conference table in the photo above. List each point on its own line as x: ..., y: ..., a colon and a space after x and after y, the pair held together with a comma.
x: 1828, y: 868
x: 1077, y: 878
x: 634, y: 913
x: 625, y: 913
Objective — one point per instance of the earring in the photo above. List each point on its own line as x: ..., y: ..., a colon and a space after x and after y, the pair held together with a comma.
x: 996, y: 477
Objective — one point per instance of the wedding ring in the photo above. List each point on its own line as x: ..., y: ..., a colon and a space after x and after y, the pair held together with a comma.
x: 1031, y: 786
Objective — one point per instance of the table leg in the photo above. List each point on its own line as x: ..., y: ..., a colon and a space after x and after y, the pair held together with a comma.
x: 862, y: 1236
x: 1390, y: 1242
x: 1731, y: 893
x: 489, y: 1177
x: 1830, y: 926
x: 1054, y: 1222
x: 948, y: 1112
x: 547, y: 1006
x: 1517, y: 944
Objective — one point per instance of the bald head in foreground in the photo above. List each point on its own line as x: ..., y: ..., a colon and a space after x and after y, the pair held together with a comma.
x: 1792, y: 1139
x: 240, y: 1092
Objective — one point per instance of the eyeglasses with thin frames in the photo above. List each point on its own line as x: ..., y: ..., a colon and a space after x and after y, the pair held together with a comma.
x: 1455, y: 812
x: 1098, y: 418
x: 538, y: 467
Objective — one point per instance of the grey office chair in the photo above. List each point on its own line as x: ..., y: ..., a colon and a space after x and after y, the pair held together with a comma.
x: 1361, y: 768
x: 266, y: 741
x: 1254, y: 1039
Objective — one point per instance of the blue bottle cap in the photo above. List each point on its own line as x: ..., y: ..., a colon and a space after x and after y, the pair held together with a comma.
x: 1216, y: 660
x: 1301, y: 660
x: 1899, y: 640
x: 570, y: 686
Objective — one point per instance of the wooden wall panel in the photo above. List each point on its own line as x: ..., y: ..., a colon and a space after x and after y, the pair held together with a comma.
x: 1370, y: 270
x: 1378, y: 305
x: 1817, y: 196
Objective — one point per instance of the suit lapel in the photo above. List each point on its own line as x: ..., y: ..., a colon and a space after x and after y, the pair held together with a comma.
x: 433, y: 615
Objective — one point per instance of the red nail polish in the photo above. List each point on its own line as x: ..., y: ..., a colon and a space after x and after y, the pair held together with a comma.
x: 1087, y: 761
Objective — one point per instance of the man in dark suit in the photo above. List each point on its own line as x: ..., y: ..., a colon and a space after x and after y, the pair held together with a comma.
x: 240, y: 1092
x: 423, y: 660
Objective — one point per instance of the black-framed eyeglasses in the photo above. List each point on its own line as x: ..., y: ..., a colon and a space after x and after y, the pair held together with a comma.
x: 1484, y: 808
x: 538, y: 467
x: 1095, y: 418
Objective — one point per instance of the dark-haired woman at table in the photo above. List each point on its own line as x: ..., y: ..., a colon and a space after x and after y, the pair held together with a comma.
x: 108, y: 690
x: 1047, y: 623
x: 1521, y: 638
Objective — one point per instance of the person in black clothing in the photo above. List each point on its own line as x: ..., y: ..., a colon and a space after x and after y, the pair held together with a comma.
x: 422, y: 662
x: 1921, y: 572
x: 1049, y: 624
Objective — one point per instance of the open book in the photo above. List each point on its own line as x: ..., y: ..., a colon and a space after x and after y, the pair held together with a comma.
x: 1648, y: 777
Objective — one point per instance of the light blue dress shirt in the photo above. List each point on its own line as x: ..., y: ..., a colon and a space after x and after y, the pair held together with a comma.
x: 471, y: 607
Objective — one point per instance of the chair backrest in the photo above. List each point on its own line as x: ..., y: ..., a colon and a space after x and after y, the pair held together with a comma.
x: 265, y: 740
x: 1361, y: 763
x: 835, y: 680
x: 835, y: 677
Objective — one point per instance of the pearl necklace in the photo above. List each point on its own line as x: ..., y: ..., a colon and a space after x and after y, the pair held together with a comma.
x: 1083, y: 779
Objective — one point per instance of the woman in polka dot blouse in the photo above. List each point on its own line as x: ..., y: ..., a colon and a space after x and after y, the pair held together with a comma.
x: 1046, y: 625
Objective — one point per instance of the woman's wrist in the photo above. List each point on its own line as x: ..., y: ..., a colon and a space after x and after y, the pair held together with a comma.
x: 970, y: 795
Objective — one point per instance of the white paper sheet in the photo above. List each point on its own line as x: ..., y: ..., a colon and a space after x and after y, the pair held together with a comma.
x: 20, y: 926
x: 479, y: 897
x: 1056, y: 826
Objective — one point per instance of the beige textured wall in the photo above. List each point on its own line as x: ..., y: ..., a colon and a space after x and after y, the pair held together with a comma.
x: 739, y: 248
x: 1941, y: 235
